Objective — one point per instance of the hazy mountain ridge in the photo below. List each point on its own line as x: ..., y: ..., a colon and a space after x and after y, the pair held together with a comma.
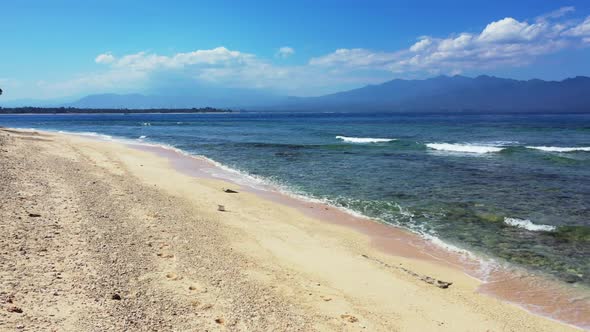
x: 457, y: 93
x: 442, y: 93
x: 218, y: 98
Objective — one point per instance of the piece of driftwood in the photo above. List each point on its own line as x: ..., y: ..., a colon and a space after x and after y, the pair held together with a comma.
x: 425, y: 278
x: 230, y: 191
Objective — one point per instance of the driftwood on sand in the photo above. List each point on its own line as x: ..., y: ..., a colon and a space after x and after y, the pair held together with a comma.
x: 425, y: 278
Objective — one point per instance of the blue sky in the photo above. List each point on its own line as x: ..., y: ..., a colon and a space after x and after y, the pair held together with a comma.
x: 55, y: 49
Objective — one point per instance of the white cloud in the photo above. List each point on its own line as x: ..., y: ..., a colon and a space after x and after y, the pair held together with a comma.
x: 502, y: 43
x: 506, y: 42
x: 509, y: 30
x: 557, y: 13
x: 582, y: 29
x: 113, y: 80
x: 421, y: 44
x: 463, y: 42
x: 104, y: 58
x: 356, y: 57
x: 218, y: 66
x: 148, y: 61
x: 285, y: 52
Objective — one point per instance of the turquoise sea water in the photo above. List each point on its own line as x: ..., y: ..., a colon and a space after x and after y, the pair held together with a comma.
x: 512, y: 187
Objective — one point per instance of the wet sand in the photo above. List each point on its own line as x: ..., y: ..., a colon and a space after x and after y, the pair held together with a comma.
x: 147, y: 228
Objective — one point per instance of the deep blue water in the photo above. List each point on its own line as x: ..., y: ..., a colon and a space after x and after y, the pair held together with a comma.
x: 421, y: 180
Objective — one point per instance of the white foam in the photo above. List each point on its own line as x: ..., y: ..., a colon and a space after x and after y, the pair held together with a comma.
x: 528, y: 225
x: 365, y: 139
x: 142, y: 137
x: 83, y: 133
x: 560, y: 149
x: 504, y: 143
x: 240, y: 177
x: 442, y: 244
x: 27, y: 129
x: 464, y: 148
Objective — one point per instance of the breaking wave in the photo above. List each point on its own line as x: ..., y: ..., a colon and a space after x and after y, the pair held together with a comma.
x: 84, y: 133
x: 560, y: 149
x: 364, y: 139
x: 528, y: 225
x: 464, y: 148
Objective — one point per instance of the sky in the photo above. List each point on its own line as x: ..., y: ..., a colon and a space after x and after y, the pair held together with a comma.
x: 67, y: 49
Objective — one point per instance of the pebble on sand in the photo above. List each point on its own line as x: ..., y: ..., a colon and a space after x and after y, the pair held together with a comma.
x: 349, y: 318
x: 14, y: 309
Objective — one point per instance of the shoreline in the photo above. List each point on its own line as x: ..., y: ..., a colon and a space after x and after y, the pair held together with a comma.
x: 545, y: 298
x: 381, y: 254
x: 132, y: 113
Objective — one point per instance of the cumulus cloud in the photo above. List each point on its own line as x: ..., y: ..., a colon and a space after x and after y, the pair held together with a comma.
x: 104, y: 58
x: 219, y: 66
x: 505, y: 42
x: 149, y: 61
x: 501, y: 43
x: 421, y: 45
x: 509, y: 30
x: 285, y: 52
x: 580, y: 30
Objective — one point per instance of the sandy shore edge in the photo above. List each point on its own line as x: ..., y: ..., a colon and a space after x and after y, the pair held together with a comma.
x: 332, y: 277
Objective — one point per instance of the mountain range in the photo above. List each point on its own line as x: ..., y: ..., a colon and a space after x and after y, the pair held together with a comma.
x: 442, y: 93
x: 456, y: 93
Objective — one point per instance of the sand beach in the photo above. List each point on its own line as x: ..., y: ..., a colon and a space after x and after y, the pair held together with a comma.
x: 103, y: 236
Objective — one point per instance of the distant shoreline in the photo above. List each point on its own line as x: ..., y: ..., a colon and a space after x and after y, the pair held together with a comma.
x: 280, y: 111
x: 73, y: 110
x: 111, y: 113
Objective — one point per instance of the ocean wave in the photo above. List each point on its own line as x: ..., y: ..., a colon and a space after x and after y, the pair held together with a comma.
x: 26, y: 129
x: 272, y: 145
x: 85, y: 133
x: 364, y: 139
x: 142, y: 137
x: 504, y: 143
x: 244, y: 178
x: 528, y: 225
x: 560, y: 149
x: 464, y: 148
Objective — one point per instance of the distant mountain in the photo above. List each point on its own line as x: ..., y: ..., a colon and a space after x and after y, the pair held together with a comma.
x: 226, y: 98
x: 442, y: 93
x: 456, y: 93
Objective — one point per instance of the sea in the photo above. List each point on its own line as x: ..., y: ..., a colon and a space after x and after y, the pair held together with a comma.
x: 512, y: 188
